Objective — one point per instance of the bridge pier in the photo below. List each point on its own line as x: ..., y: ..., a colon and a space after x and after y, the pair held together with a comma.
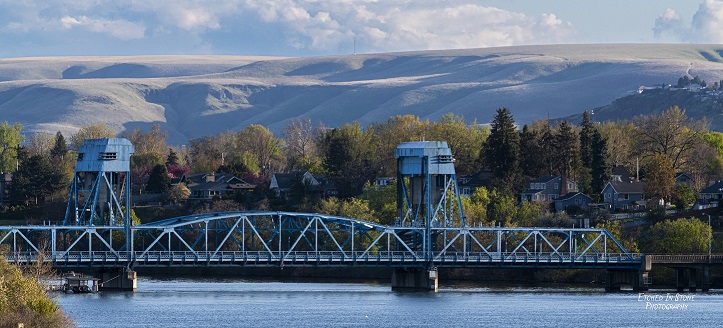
x: 414, y: 279
x: 692, y: 278
x: 117, y: 279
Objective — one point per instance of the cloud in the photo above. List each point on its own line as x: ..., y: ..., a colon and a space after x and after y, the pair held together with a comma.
x: 407, y: 25
x: 706, y: 25
x: 316, y: 26
x: 119, y: 29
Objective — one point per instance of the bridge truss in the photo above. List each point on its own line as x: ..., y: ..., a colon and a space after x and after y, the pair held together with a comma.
x: 307, y: 239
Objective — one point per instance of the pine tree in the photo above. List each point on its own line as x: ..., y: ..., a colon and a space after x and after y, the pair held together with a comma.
x: 600, y: 166
x: 533, y: 158
x: 586, y: 132
x: 502, y: 152
x: 60, y: 149
x: 567, y: 156
x: 158, y: 181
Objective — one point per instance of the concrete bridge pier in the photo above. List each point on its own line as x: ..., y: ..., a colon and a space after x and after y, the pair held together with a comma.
x: 692, y: 278
x: 117, y: 279
x: 414, y: 279
x: 635, y: 279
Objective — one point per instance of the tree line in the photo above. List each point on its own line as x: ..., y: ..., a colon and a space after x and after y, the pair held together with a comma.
x: 655, y: 146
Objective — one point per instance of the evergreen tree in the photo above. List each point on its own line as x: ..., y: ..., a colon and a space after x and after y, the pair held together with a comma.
x: 36, y: 178
x: 158, y: 181
x: 502, y: 152
x: 533, y: 158
x: 586, y: 133
x: 172, y: 158
x: 567, y: 156
x: 60, y: 149
x: 600, y: 166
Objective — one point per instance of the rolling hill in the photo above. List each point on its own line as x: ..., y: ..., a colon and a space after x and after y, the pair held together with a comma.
x: 192, y: 96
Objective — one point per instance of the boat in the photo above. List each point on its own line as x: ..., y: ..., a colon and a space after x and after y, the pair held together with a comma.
x: 79, y: 283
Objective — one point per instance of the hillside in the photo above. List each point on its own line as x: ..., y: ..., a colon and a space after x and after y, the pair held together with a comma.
x: 191, y: 96
x: 697, y: 105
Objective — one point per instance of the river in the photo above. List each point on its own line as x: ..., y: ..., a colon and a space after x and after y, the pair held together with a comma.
x: 243, y: 303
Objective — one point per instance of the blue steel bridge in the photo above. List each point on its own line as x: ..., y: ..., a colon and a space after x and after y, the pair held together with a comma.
x: 430, y: 231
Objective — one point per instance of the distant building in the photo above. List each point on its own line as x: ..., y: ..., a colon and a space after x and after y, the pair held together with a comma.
x: 205, y: 186
x: 281, y: 183
x: 469, y: 183
x: 624, y: 195
x: 547, y: 188
x: 711, y: 196
x: 572, y: 198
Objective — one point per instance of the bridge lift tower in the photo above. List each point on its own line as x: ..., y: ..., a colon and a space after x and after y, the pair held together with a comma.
x: 100, y: 190
x: 427, y: 197
x: 427, y: 190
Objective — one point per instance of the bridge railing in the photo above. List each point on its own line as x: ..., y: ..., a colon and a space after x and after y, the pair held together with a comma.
x: 301, y: 257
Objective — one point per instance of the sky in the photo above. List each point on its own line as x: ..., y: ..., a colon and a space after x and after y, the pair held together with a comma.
x: 30, y: 28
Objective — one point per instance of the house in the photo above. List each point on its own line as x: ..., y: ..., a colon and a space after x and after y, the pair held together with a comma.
x: 710, y: 196
x: 620, y: 173
x: 208, y: 185
x: 624, y: 195
x: 572, y: 198
x: 281, y: 183
x: 5, y: 180
x: 547, y: 188
x: 469, y: 183
x: 384, y: 181
x: 683, y: 179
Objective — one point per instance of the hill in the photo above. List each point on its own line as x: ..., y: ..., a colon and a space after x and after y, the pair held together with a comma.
x: 192, y: 96
x: 697, y: 104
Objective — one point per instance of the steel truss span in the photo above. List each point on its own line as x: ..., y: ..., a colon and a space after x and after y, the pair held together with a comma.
x: 306, y: 239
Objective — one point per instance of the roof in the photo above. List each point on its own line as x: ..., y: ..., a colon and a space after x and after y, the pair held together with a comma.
x: 545, y: 179
x: 571, y: 195
x: 716, y: 188
x: 628, y: 187
x: 222, y: 181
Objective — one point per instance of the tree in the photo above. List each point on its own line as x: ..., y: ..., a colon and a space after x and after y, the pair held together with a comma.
x: 348, y: 158
x: 158, y: 181
x: 475, y: 207
x: 10, y: 139
x: 300, y: 143
x: 264, y: 146
x: 24, y: 300
x: 36, y: 178
x: 671, y: 133
x: 464, y: 140
x: 586, y: 134
x: 566, y: 155
x: 91, y: 131
x: 501, y: 208
x: 179, y: 193
x: 39, y: 144
x: 388, y: 135
x: 60, y: 147
x: 533, y: 157
x: 502, y: 152
x: 600, y: 164
x: 682, y: 236
x: 683, y: 196
x: 154, y: 141
x: 659, y: 178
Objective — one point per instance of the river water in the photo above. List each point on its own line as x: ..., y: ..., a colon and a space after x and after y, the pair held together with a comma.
x: 244, y: 303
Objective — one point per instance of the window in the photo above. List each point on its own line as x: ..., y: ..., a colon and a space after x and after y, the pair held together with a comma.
x: 80, y: 156
x: 626, y: 196
x: 557, y: 186
x: 466, y: 191
x: 107, y: 156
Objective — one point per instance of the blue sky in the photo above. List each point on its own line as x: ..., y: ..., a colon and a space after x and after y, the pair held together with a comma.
x: 330, y: 27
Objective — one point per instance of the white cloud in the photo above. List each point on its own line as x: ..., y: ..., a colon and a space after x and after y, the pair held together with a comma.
x: 408, y: 25
x: 313, y: 25
x: 120, y: 29
x: 706, y: 25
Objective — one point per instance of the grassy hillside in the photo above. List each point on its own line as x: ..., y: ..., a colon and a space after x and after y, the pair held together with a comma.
x: 191, y: 96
